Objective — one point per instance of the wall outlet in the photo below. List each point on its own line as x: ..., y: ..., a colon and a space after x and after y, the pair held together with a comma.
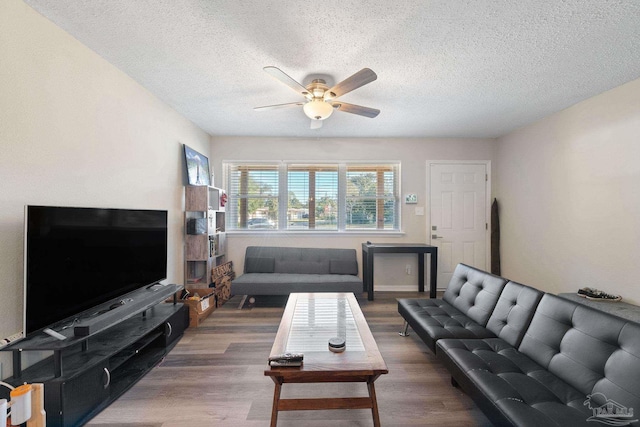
x: 407, y: 269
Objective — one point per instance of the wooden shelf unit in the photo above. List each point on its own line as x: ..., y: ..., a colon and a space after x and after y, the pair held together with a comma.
x: 205, y: 243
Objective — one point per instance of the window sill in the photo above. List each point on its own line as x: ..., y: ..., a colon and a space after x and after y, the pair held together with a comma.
x: 317, y: 233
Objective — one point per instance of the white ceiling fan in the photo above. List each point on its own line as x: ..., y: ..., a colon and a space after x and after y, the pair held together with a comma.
x: 321, y: 100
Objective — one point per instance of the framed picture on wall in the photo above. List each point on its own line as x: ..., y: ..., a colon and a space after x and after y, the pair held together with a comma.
x: 197, y: 167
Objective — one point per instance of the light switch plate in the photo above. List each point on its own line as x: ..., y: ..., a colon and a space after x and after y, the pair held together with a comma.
x: 419, y: 210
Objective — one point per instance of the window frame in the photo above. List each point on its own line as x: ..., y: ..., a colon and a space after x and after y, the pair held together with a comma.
x: 342, y: 167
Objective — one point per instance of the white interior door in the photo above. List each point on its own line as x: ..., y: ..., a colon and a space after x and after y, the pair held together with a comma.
x: 459, y: 224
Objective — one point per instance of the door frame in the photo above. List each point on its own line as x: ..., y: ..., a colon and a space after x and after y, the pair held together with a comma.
x: 487, y: 164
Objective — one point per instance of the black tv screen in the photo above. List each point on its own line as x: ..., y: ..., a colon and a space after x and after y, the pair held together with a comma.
x: 77, y: 258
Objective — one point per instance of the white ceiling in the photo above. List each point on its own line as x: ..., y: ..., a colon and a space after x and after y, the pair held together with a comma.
x: 446, y: 68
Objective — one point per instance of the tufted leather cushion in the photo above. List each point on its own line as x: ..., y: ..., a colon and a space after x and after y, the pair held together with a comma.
x: 568, y: 352
x: 513, y: 312
x: 474, y: 292
x: 510, y: 387
x: 591, y: 350
x: 434, y: 319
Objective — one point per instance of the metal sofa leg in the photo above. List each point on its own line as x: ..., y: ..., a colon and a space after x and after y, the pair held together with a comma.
x: 404, y: 332
x: 244, y: 298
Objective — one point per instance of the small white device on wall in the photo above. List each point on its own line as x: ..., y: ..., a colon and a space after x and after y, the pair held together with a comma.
x: 411, y: 199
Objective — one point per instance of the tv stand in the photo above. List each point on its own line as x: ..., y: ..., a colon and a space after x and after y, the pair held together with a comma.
x: 86, y: 373
x: 122, y: 308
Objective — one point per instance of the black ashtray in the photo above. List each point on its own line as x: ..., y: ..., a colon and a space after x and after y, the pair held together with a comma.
x: 337, y: 344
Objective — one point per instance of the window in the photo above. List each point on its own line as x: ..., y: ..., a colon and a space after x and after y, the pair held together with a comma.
x: 254, y: 196
x: 312, y: 197
x: 320, y: 197
x: 371, y: 197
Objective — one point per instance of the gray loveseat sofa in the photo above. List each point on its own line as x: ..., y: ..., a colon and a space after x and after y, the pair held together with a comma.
x: 528, y: 358
x: 272, y: 270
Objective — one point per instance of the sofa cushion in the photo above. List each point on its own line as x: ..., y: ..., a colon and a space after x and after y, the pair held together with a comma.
x: 621, y: 380
x: 337, y: 266
x: 306, y: 260
x: 591, y: 350
x: 285, y: 283
x: 259, y: 265
x: 513, y: 312
x: 474, y: 292
x: 572, y: 360
x: 301, y: 267
x: 274, y: 270
x: 511, y: 388
x: 434, y: 319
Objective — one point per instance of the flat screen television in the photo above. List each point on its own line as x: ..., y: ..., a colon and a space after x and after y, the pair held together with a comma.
x: 78, y: 258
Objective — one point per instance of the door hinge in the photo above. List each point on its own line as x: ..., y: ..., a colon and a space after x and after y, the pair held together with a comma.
x: 486, y: 225
x: 486, y: 177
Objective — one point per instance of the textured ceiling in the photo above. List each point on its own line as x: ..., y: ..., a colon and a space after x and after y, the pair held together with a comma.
x: 454, y: 68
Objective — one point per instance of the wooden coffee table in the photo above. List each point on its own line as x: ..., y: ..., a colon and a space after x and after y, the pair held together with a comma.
x: 308, y: 322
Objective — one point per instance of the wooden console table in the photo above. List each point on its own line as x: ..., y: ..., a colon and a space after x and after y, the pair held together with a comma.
x: 370, y: 249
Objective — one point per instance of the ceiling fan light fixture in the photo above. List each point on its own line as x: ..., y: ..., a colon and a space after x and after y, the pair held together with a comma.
x: 317, y: 109
x: 328, y: 95
x: 320, y: 99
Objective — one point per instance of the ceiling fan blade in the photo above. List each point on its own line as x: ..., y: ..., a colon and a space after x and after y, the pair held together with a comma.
x: 355, y: 109
x: 284, y: 78
x: 316, y: 124
x: 357, y: 80
x: 276, y: 106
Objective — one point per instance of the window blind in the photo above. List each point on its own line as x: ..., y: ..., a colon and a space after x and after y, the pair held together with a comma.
x: 318, y: 196
x: 254, y: 196
x: 313, y: 197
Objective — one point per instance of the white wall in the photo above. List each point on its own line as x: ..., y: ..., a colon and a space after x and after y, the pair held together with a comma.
x: 76, y: 131
x: 569, y: 191
x: 413, y: 155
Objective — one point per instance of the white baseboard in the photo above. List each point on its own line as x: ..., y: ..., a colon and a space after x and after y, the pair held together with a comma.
x: 404, y: 288
x: 401, y: 288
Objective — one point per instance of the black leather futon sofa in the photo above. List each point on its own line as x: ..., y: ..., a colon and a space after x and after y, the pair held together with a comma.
x: 529, y: 358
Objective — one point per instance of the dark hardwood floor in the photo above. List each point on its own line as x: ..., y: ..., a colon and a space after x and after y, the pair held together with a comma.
x: 214, y: 377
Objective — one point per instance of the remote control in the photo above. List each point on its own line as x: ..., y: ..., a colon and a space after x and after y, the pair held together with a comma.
x: 54, y: 334
x: 287, y: 356
x: 285, y: 363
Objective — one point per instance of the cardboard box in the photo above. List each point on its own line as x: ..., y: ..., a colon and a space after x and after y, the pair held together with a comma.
x: 201, y: 308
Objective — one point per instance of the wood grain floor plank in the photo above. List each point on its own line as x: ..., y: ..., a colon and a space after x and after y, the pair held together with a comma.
x: 215, y: 377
